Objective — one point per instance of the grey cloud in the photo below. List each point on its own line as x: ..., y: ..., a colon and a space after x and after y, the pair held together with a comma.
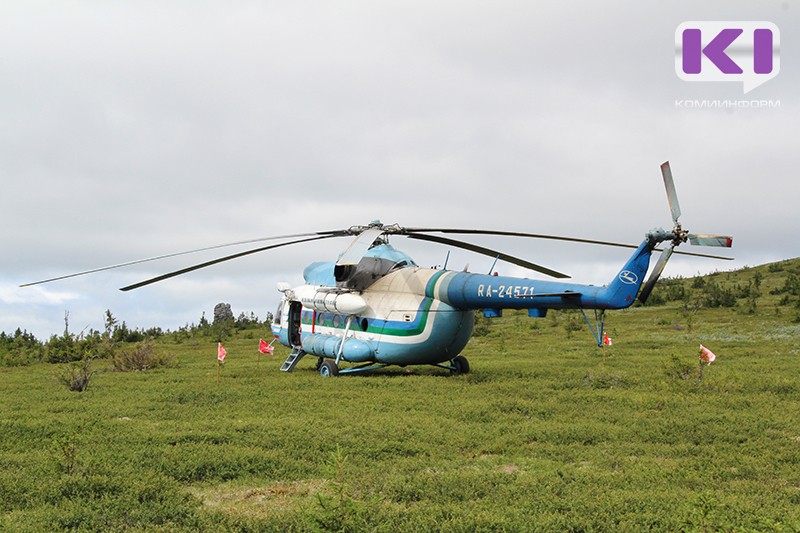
x: 136, y: 129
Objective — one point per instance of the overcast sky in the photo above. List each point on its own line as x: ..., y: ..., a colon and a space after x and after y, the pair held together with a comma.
x: 132, y: 129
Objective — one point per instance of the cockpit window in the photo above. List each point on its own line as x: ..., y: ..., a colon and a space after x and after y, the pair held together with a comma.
x: 379, y: 261
x: 369, y: 270
x: 400, y: 264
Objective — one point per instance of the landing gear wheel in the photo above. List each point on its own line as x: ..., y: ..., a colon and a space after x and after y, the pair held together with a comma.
x: 328, y: 369
x: 460, y: 365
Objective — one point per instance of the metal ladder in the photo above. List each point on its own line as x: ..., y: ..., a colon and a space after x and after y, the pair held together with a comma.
x: 296, y: 354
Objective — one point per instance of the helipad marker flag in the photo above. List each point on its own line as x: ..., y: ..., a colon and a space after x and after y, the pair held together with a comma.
x: 265, y: 347
x: 606, y: 340
x: 707, y: 355
x: 221, y: 353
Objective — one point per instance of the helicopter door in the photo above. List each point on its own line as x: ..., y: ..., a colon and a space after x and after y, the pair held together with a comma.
x: 293, y: 325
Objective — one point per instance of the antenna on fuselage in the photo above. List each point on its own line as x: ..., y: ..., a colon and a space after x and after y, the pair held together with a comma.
x: 491, y: 268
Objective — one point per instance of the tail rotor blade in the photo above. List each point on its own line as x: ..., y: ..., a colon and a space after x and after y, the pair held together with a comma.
x: 672, y: 196
x: 659, y: 268
x: 702, y: 239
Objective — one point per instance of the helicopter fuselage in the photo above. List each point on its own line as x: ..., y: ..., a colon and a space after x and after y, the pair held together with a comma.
x: 409, y: 315
x: 399, y: 322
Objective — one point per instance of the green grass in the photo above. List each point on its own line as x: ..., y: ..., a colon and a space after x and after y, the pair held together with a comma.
x: 547, y: 433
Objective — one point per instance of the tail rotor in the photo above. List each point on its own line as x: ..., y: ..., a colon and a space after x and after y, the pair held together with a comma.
x: 677, y: 236
x: 659, y: 268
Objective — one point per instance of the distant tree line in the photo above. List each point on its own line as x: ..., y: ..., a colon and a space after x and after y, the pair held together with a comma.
x: 740, y: 292
x: 22, y: 347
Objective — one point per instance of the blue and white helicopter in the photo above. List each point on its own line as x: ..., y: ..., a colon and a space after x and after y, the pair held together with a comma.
x: 375, y: 307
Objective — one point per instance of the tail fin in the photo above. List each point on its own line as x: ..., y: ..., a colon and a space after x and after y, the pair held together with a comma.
x: 622, y: 290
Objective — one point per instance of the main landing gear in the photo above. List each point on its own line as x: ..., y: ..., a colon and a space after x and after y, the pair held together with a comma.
x: 328, y: 369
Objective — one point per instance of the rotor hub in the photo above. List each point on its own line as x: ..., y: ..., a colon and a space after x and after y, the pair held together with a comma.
x: 680, y: 235
x: 375, y: 224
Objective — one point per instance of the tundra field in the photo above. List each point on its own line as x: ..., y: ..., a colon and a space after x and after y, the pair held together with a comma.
x: 547, y: 433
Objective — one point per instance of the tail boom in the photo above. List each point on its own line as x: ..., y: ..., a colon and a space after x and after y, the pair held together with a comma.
x: 464, y: 290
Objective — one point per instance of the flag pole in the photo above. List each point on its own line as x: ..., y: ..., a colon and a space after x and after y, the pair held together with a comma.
x: 706, y: 356
x: 604, y: 337
x: 700, y: 368
x: 221, y: 353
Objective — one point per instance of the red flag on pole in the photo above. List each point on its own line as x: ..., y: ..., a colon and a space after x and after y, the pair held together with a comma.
x: 707, y: 355
x: 606, y: 339
x: 265, y: 347
x: 221, y: 353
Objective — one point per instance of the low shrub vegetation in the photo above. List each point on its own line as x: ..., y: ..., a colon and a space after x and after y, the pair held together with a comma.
x: 76, y: 376
x: 140, y: 357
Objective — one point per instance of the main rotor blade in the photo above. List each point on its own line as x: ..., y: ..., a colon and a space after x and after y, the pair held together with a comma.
x: 359, y: 246
x: 651, y: 281
x: 220, y: 260
x: 709, y: 256
x: 553, y: 237
x: 332, y: 233
x: 517, y: 234
x: 701, y: 239
x: 672, y: 195
x: 487, y: 251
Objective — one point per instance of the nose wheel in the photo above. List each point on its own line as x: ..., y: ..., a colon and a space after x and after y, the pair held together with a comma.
x: 459, y: 365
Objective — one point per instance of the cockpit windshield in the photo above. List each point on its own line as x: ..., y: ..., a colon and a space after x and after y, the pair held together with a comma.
x: 376, y: 263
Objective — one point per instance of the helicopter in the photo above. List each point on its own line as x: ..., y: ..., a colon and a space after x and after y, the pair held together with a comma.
x: 375, y: 307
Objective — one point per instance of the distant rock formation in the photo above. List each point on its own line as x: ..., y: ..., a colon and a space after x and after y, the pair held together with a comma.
x: 222, y: 313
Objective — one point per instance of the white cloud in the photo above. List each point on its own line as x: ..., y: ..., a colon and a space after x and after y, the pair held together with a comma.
x: 13, y: 294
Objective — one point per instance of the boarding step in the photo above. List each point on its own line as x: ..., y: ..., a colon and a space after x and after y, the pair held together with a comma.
x: 296, y: 354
